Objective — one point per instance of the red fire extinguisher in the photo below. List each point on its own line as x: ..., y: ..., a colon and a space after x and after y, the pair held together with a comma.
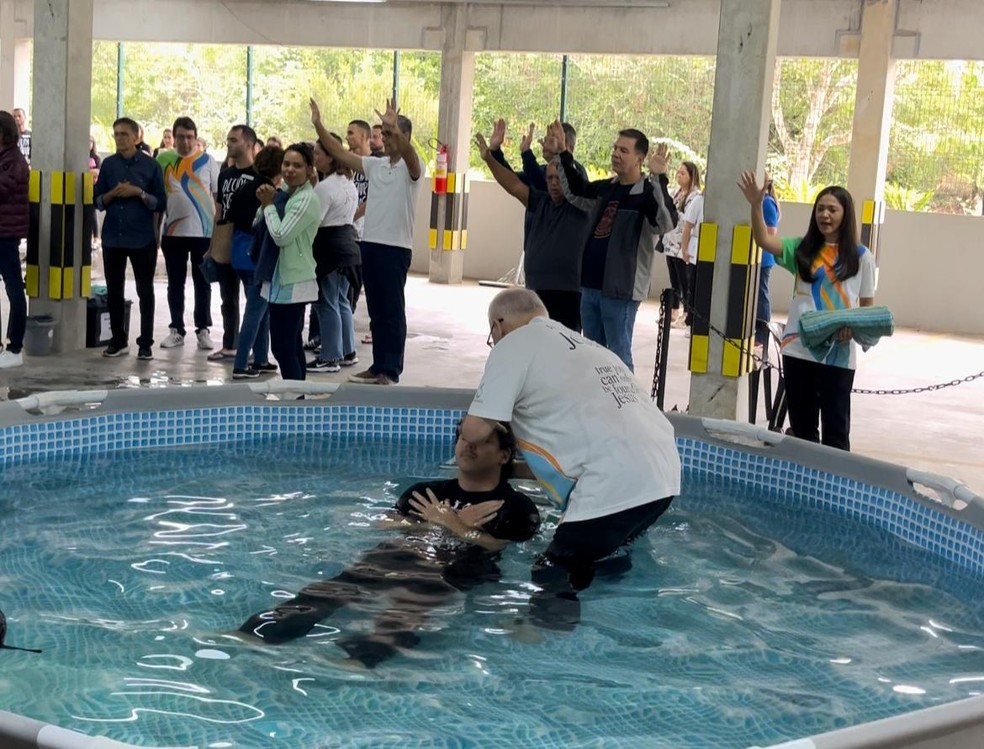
x: 441, y: 170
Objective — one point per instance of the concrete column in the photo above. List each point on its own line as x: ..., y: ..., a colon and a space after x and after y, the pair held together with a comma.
x: 746, y: 55
x: 8, y: 38
x: 454, y: 125
x: 873, y: 101
x: 60, y: 116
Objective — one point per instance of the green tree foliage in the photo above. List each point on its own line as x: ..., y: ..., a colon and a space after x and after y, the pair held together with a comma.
x: 936, y: 143
x: 812, y: 113
x: 936, y: 146
x: 520, y: 88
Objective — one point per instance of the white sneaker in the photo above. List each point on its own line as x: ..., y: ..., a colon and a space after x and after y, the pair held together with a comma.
x: 173, y: 340
x: 9, y: 360
x: 205, y: 340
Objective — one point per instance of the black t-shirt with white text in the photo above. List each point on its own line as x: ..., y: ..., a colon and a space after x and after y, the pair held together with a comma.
x: 596, y: 251
x: 230, y: 180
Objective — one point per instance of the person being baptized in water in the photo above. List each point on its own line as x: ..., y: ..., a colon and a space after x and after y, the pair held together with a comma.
x: 477, y: 513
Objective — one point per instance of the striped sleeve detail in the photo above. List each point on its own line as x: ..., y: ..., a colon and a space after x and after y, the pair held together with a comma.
x: 284, y: 231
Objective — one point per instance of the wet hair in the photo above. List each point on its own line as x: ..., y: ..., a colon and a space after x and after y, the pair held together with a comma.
x: 304, y: 149
x: 269, y: 161
x: 813, y: 242
x: 9, y: 132
x: 185, y: 123
x: 248, y: 134
x: 694, y: 171
x: 641, y: 141
x: 570, y: 135
x: 362, y: 125
x: 507, y: 442
x: 129, y: 124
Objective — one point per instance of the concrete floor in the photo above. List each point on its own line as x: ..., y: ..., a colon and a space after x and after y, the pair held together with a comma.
x: 940, y: 431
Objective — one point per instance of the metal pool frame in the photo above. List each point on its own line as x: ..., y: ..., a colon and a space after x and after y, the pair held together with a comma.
x: 844, y: 483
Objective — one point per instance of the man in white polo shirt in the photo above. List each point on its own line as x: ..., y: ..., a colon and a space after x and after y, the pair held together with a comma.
x: 594, y: 439
x: 387, y: 237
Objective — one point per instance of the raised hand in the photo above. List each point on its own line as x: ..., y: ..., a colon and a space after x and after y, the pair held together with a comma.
x: 659, y: 161
x: 483, y: 147
x: 389, y: 117
x: 750, y: 188
x: 498, y: 135
x: 527, y: 142
x: 315, y: 112
x: 556, y: 138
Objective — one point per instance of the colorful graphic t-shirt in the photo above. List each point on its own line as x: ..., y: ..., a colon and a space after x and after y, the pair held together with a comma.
x: 588, y: 430
x: 826, y: 292
x: 190, y: 184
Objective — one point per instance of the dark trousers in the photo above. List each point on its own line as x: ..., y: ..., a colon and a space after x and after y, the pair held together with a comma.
x: 819, y: 392
x: 570, y: 561
x: 286, y: 343
x: 691, y: 276
x: 562, y: 306
x: 384, y: 276
x: 412, y: 588
x: 177, y: 251
x: 229, y: 291
x: 764, y: 314
x: 144, y: 263
x: 679, y: 280
x: 13, y: 281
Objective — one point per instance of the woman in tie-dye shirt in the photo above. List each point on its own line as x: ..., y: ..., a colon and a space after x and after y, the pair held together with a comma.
x: 833, y: 271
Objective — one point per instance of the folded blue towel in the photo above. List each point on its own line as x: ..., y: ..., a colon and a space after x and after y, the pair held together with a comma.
x: 868, y: 324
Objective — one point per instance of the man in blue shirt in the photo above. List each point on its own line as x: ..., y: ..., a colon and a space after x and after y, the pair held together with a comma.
x: 130, y: 189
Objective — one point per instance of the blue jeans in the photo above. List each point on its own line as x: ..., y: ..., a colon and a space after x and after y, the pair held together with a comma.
x: 609, y: 321
x: 335, y: 317
x: 13, y: 280
x: 384, y: 274
x: 255, y: 331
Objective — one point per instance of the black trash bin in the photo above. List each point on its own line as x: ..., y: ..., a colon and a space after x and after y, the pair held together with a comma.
x: 97, y: 330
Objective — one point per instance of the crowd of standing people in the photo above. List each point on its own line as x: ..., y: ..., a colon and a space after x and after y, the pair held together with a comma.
x: 329, y: 222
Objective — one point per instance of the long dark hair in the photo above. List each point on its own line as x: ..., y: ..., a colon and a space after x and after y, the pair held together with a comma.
x: 810, y: 246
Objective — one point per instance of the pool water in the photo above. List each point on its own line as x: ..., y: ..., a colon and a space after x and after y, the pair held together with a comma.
x: 743, y: 621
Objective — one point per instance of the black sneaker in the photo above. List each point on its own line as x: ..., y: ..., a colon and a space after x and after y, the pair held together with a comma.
x: 266, y: 368
x: 112, y: 351
x: 144, y: 352
x: 349, y: 359
x: 245, y: 374
x: 324, y: 366
x: 313, y: 345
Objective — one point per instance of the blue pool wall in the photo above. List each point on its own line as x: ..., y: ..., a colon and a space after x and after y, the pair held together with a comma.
x: 800, y: 474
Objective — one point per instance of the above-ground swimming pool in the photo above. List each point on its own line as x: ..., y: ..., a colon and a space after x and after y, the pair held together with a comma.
x: 790, y: 591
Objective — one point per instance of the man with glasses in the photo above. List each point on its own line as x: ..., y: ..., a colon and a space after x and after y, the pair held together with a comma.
x: 130, y: 190
x: 591, y: 435
x: 191, y: 179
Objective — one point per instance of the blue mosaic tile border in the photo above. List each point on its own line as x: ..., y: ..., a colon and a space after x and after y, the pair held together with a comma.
x: 916, y: 523
x: 922, y: 526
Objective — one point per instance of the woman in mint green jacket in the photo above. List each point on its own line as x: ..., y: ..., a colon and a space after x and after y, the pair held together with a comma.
x: 293, y: 283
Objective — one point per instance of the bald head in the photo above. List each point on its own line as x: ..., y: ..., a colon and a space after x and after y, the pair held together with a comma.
x: 516, y: 307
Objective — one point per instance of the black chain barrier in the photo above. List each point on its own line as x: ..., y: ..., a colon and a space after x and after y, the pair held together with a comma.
x: 763, y: 364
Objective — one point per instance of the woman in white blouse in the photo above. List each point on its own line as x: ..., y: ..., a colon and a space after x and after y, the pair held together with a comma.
x: 336, y: 252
